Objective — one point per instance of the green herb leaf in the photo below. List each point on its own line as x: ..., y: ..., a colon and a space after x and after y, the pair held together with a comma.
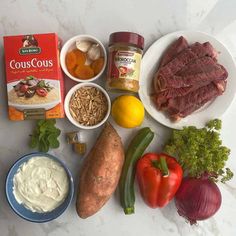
x: 41, y: 84
x: 214, y: 124
x: 45, y: 85
x: 200, y: 151
x: 51, y: 122
x: 33, y: 142
x: 40, y: 122
x: 45, y: 135
x: 30, y: 77
x: 54, y: 143
x: 43, y: 146
x: 228, y: 175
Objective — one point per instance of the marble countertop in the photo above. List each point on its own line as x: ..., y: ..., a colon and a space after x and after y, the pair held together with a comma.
x: 152, y: 19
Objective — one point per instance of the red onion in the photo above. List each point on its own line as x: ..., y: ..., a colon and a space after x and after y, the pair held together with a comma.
x: 197, y: 199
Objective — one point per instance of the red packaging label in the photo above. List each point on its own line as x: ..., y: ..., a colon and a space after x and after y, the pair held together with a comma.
x: 124, y: 64
x: 35, y: 84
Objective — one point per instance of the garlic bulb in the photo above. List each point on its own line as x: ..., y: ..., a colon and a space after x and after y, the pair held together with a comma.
x: 88, y: 61
x: 83, y: 46
x: 94, y: 52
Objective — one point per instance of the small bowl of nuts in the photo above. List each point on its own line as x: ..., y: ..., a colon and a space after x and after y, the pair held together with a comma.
x: 87, y: 105
x: 83, y: 58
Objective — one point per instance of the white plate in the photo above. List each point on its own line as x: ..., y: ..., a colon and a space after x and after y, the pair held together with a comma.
x: 46, y: 106
x: 150, y: 63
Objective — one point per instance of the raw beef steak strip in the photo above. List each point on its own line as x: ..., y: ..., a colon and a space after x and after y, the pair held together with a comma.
x: 182, y: 106
x: 195, y: 67
x: 175, y: 48
x: 195, y: 51
x: 192, y: 68
x: 207, y: 73
x: 188, y: 77
x: 161, y: 98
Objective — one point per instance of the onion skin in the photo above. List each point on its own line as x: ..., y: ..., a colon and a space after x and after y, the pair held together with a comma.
x: 197, y: 199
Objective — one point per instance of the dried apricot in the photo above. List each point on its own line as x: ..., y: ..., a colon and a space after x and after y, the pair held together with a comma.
x: 97, y: 65
x: 72, y: 72
x: 84, y: 72
x: 80, y: 57
x: 70, y: 60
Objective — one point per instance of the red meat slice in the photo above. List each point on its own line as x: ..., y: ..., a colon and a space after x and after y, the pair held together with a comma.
x: 207, y: 73
x: 188, y: 78
x: 195, y: 67
x: 185, y: 57
x: 161, y: 98
x: 195, y: 51
x: 175, y: 48
x: 182, y: 106
x: 192, y: 68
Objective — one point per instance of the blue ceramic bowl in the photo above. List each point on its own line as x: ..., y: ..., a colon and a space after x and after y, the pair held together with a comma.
x: 23, y: 212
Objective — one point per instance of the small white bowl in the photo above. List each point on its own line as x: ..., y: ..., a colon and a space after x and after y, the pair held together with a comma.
x: 70, y: 45
x: 67, y: 101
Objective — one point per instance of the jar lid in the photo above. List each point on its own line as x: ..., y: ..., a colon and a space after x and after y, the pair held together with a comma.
x: 127, y: 37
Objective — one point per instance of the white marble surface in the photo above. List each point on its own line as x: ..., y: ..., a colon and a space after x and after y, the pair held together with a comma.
x: 152, y: 19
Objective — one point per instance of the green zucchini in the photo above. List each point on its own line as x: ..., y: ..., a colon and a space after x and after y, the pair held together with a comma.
x: 135, y: 150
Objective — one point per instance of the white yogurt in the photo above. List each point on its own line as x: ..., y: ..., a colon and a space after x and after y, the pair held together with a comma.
x: 41, y: 184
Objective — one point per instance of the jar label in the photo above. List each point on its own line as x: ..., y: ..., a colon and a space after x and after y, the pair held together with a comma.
x: 124, y: 65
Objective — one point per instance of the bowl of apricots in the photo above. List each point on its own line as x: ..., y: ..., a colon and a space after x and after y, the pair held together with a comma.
x: 83, y: 58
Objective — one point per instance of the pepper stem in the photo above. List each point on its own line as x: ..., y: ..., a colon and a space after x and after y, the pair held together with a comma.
x: 162, y: 165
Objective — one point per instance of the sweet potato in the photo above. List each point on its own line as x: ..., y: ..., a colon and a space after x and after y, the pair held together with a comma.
x: 100, y: 172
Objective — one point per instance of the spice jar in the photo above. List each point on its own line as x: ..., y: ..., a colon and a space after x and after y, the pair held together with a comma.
x: 124, y: 60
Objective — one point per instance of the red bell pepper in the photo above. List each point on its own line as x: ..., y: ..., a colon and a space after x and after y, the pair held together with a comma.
x: 159, y: 177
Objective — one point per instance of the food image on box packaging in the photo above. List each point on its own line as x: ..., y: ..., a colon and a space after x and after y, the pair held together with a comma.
x: 35, y: 84
x: 33, y: 91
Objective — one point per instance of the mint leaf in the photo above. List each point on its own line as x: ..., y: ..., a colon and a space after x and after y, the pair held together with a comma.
x: 40, y: 122
x: 33, y: 142
x: 57, y: 132
x: 54, y: 143
x: 45, y: 135
x: 43, y: 146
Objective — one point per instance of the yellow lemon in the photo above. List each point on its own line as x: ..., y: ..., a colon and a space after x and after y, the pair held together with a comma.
x: 127, y: 111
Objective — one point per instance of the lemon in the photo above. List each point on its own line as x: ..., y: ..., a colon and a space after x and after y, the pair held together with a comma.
x: 127, y: 111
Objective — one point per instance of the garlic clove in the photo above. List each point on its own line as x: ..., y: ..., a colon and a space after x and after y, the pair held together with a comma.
x: 83, y: 45
x: 88, y: 61
x: 94, y: 52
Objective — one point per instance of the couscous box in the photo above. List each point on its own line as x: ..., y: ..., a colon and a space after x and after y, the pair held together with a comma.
x: 35, y: 85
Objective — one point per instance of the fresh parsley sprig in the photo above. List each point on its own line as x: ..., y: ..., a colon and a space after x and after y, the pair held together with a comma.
x: 201, y: 151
